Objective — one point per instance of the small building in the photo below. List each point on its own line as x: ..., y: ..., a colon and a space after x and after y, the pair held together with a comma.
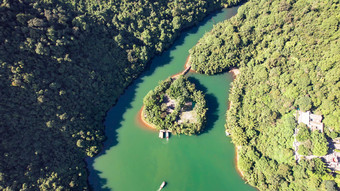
x: 311, y: 120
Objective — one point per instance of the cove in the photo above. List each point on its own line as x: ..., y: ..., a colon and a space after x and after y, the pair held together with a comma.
x: 134, y: 158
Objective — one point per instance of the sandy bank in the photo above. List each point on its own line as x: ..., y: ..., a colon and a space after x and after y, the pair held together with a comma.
x: 186, y: 66
x: 141, y: 122
x: 235, y: 72
x: 188, y: 63
x: 236, y: 161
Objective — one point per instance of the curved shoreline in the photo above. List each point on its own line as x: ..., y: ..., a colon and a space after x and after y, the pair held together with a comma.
x: 141, y: 122
x: 236, y: 72
x: 186, y: 66
x: 238, y: 170
x: 140, y: 119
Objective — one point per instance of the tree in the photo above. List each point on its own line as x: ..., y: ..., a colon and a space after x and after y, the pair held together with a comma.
x: 330, y: 185
x: 304, y: 103
x: 320, y: 144
x: 303, y: 150
x: 303, y: 133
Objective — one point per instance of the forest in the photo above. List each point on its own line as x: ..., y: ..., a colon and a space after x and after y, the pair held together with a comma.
x: 289, y: 56
x: 176, y: 105
x: 63, y: 64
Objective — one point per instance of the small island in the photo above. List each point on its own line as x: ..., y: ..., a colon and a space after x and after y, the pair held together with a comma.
x: 177, y: 106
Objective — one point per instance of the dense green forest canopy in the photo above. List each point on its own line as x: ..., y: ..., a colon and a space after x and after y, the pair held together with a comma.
x: 288, y: 52
x: 63, y: 63
x: 177, y: 106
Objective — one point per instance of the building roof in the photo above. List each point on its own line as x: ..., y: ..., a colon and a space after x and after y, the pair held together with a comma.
x: 311, y: 120
x: 316, y: 118
x: 304, y: 117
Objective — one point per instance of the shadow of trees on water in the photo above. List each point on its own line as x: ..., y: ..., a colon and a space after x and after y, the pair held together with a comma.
x: 114, y: 116
x: 212, y: 105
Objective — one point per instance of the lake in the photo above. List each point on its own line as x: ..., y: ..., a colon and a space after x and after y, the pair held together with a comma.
x: 134, y: 158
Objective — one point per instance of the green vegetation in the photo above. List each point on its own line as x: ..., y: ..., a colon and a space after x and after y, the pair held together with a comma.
x: 314, y: 143
x: 303, y: 134
x: 305, y: 150
x: 288, y: 55
x: 176, y: 105
x: 320, y: 144
x: 63, y: 64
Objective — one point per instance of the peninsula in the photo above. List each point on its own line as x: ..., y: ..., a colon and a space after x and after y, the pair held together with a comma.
x: 284, y: 69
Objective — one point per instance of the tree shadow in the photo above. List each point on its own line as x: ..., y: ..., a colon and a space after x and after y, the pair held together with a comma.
x: 78, y: 100
x: 212, y: 105
x: 114, y: 116
x: 113, y: 121
x: 164, y: 58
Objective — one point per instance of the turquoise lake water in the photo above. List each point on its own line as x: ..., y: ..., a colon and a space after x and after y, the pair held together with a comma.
x: 135, y: 158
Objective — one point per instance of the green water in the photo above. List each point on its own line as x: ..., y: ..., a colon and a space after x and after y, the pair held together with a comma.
x: 136, y: 159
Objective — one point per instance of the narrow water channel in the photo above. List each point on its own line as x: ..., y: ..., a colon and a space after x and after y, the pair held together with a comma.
x: 136, y: 159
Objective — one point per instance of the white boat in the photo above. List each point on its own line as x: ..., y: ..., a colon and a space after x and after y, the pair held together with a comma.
x: 161, y: 134
x: 162, y: 185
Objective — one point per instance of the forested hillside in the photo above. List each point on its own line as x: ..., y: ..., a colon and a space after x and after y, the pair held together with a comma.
x: 288, y: 53
x: 63, y: 65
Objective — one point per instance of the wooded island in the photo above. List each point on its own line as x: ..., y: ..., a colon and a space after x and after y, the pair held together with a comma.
x: 177, y: 106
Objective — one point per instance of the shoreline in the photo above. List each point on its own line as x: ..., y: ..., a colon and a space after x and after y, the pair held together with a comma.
x: 235, y: 72
x: 186, y: 66
x: 141, y: 122
x: 238, y: 170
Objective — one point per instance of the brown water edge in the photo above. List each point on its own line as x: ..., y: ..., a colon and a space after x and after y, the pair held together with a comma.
x: 140, y: 119
x: 234, y: 73
x: 142, y: 123
x: 186, y: 66
x: 239, y: 171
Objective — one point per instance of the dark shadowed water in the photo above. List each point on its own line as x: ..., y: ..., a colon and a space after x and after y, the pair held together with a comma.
x: 136, y: 159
